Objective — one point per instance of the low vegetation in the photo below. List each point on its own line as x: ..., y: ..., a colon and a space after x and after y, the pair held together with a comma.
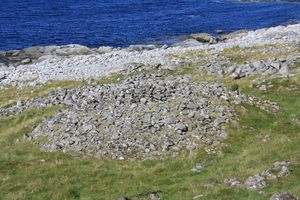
x: 11, y: 95
x: 240, y: 55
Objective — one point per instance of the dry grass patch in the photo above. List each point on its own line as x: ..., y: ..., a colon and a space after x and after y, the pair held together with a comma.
x: 241, y: 55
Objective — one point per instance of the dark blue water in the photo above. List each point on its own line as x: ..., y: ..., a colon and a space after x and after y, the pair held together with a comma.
x: 25, y: 23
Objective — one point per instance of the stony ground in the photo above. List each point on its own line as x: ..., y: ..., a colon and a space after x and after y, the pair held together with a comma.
x: 214, y: 113
x: 42, y: 64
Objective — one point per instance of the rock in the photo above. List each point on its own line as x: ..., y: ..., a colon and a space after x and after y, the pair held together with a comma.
x: 268, y: 175
x: 141, y: 47
x: 143, y: 100
x: 167, y: 144
x: 276, y: 65
x: 123, y: 198
x: 255, y: 182
x: 19, y: 103
x: 167, y: 121
x: 278, y: 164
x: 258, y: 65
x: 2, y: 75
x: 284, y: 196
x: 191, y: 114
x: 284, y: 71
x: 263, y: 88
x: 223, y: 135
x: 198, y: 196
x: 233, y: 35
x: 154, y: 196
x: 198, y: 168
x: 232, y: 182
x: 212, y: 182
x: 204, y: 38
x: 181, y: 127
x: 104, y: 49
x: 284, y: 172
x: 27, y: 137
x: 219, y: 31
x: 164, y: 46
x: 170, y: 67
x: 26, y: 61
x: 87, y: 127
x: 188, y: 43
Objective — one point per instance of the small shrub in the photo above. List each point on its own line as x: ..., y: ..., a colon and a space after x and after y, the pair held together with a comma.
x: 235, y: 87
x: 75, y: 194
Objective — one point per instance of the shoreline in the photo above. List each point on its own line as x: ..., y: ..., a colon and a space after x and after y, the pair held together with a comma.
x: 38, y: 65
x: 218, y: 34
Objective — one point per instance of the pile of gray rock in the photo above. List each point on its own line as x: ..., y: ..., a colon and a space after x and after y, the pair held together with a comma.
x: 215, y: 64
x: 144, y: 117
x: 277, y: 68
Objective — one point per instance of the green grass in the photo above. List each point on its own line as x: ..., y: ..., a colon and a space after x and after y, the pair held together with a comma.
x: 11, y: 95
x: 114, y: 77
x: 27, y: 173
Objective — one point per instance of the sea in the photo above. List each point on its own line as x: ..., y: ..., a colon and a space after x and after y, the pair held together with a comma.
x: 120, y: 23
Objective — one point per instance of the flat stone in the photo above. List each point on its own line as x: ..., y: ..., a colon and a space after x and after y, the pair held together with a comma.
x: 204, y: 37
x: 181, y: 127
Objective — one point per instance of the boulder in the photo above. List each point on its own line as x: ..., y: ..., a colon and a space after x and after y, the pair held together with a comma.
x: 204, y: 38
x: 284, y: 71
x: 188, y: 43
x: 181, y: 127
x: 141, y: 47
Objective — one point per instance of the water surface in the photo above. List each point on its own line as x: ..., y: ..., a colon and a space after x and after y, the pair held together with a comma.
x: 25, y: 23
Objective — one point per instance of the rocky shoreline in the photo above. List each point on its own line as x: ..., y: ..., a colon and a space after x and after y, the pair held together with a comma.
x: 39, y: 65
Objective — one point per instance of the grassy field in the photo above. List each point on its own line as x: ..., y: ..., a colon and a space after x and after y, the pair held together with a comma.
x: 27, y: 173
